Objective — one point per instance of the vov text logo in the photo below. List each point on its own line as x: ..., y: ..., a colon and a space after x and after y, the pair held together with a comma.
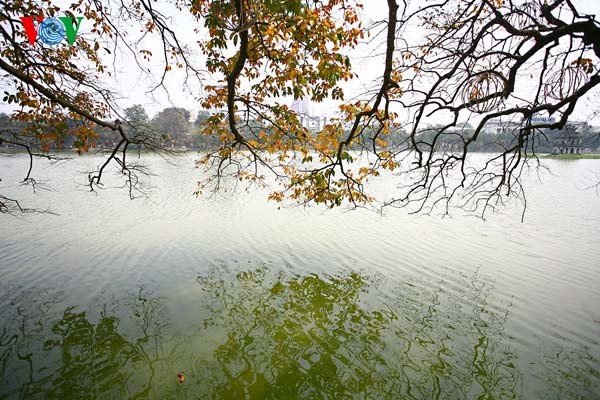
x: 51, y: 31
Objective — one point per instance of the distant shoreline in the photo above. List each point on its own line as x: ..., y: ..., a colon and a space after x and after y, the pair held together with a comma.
x: 570, y: 156
x: 7, y: 151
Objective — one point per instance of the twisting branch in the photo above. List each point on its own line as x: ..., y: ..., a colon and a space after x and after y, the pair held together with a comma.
x: 482, y: 53
x: 54, y: 86
x: 13, y: 206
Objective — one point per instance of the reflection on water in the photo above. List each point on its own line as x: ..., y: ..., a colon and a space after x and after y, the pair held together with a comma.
x: 265, y: 333
x: 342, y: 336
x: 72, y: 357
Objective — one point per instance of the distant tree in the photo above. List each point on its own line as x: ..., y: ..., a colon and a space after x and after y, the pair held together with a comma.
x: 201, y: 117
x: 9, y: 124
x: 136, y: 115
x: 172, y: 122
x: 4, y: 120
x: 137, y: 120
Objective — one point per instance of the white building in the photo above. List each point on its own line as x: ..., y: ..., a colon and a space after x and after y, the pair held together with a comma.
x: 302, y: 106
x: 305, y: 111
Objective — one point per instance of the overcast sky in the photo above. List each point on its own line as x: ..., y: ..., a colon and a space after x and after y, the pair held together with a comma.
x: 134, y: 85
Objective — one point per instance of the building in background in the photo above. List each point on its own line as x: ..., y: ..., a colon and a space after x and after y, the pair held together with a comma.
x: 305, y: 111
x: 498, y: 126
x: 566, y: 140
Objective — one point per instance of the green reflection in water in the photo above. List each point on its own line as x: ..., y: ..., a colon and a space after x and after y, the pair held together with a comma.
x: 261, y: 334
x: 71, y: 357
x: 338, y: 337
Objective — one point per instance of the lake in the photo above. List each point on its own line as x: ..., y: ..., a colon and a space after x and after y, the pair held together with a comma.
x: 113, y: 298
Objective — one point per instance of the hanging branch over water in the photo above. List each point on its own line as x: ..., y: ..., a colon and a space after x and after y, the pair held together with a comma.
x: 57, y: 89
x: 480, y: 60
x: 493, y: 59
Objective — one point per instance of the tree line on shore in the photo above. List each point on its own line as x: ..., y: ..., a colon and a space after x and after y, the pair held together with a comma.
x: 172, y: 125
x: 175, y: 128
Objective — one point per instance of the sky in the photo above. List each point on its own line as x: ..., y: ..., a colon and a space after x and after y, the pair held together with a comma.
x: 134, y: 86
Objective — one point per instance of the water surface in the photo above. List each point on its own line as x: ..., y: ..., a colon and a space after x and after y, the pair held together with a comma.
x: 113, y: 298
